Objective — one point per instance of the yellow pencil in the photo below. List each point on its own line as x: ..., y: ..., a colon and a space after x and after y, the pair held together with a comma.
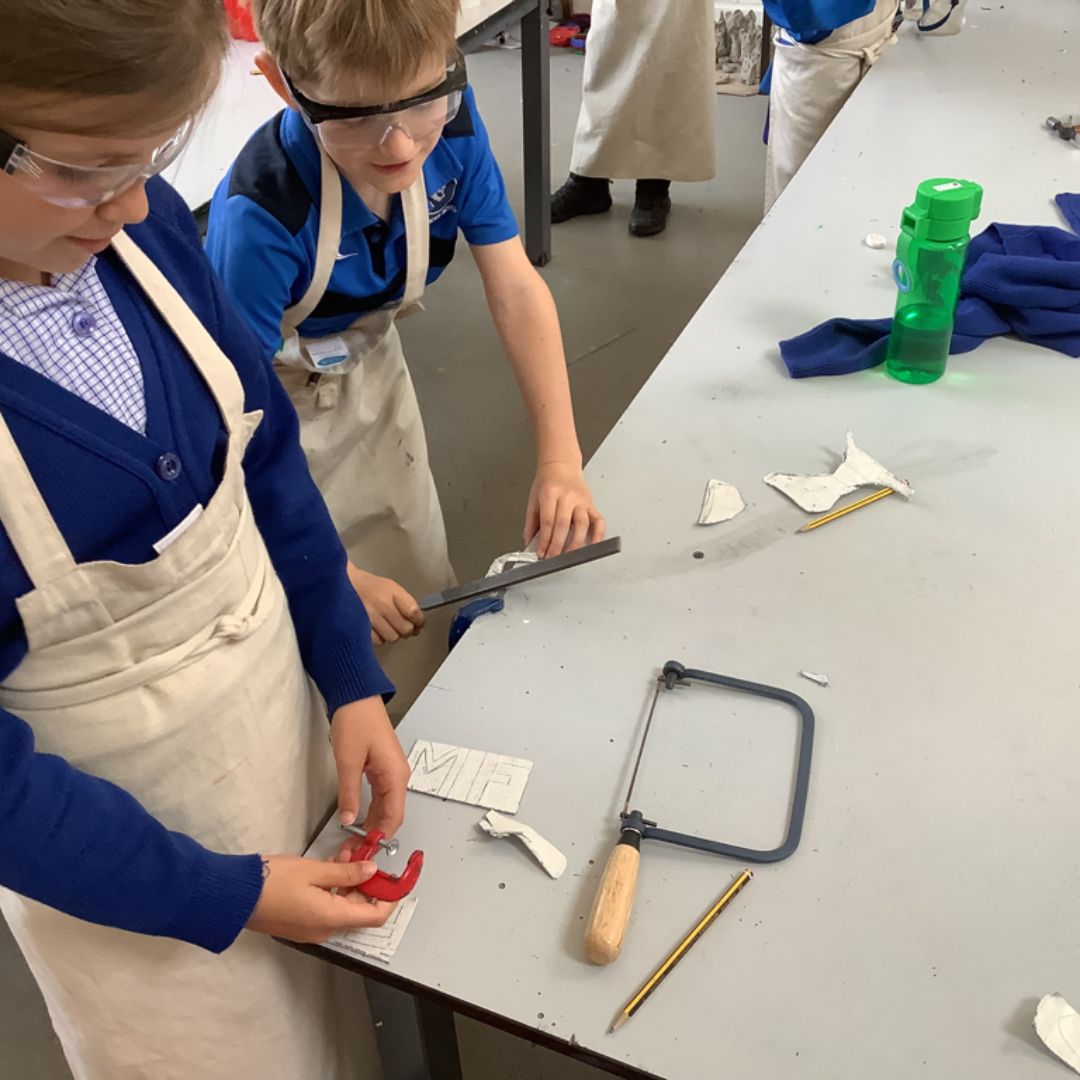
x: 826, y: 518
x: 658, y: 976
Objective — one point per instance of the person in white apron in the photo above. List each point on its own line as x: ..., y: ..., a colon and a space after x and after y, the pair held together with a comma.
x: 648, y: 108
x: 363, y: 436
x: 811, y: 82
x: 157, y: 677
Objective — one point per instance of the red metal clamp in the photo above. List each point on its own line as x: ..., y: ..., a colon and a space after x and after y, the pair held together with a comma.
x: 383, y: 886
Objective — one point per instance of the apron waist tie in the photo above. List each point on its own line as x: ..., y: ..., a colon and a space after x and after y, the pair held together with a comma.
x: 233, y: 627
x: 229, y: 627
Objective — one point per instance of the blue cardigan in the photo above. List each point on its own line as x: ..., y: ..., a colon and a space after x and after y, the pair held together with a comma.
x: 69, y: 839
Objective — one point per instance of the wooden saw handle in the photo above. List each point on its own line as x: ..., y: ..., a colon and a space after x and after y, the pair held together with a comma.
x: 614, y: 900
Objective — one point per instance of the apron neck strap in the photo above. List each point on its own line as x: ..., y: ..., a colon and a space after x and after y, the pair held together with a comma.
x: 34, y: 535
x: 417, y: 236
x: 217, y: 371
x: 326, y: 247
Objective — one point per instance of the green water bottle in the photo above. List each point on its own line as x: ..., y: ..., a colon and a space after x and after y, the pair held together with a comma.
x: 934, y: 238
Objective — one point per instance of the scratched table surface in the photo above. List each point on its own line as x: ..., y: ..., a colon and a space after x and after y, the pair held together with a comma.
x: 934, y: 897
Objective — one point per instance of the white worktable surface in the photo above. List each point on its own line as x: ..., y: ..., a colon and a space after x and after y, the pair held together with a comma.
x: 935, y: 895
x: 244, y: 101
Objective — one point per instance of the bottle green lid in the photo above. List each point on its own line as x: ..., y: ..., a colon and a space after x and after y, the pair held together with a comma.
x: 943, y: 209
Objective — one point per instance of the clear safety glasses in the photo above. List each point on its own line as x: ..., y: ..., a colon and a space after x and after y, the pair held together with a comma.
x: 67, y: 185
x: 366, y: 127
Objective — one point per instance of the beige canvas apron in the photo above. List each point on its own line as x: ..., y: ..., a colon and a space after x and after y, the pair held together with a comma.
x: 157, y: 677
x: 648, y: 101
x: 810, y: 84
x: 363, y: 436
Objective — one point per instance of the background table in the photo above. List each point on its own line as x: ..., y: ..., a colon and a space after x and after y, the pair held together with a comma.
x: 244, y: 101
x: 934, y: 897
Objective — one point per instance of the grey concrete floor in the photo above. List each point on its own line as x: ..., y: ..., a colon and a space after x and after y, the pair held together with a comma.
x: 622, y: 302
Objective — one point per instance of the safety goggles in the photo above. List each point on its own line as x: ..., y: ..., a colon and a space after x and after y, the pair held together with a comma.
x: 368, y: 126
x: 67, y: 185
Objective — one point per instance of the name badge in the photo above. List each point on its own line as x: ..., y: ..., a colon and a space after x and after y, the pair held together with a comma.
x: 328, y: 353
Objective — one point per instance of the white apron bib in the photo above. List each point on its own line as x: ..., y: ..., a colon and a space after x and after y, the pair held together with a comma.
x: 648, y: 100
x: 156, y: 677
x: 810, y: 84
x: 363, y: 436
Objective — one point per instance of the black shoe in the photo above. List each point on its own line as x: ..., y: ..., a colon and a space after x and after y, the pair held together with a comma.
x: 651, y: 207
x: 580, y: 195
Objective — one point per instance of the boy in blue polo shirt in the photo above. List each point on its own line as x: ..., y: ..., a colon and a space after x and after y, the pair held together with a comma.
x: 327, y: 228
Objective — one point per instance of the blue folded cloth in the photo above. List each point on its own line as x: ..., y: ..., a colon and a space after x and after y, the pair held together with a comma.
x: 1018, y: 279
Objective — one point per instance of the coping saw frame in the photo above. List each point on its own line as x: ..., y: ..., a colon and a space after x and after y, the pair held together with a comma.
x: 675, y: 675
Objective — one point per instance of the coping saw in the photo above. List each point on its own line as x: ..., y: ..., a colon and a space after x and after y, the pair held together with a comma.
x: 615, y: 897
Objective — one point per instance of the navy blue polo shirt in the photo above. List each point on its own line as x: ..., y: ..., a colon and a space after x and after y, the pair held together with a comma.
x: 264, y: 222
x: 811, y: 21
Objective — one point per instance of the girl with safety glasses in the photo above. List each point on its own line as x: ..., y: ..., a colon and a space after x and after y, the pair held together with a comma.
x: 176, y: 622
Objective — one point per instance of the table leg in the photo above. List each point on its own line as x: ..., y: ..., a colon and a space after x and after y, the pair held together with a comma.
x: 397, y: 1032
x: 439, y: 1040
x: 416, y: 1039
x: 536, y: 122
x: 766, y: 43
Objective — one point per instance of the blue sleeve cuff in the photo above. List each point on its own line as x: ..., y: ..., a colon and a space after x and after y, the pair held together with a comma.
x: 349, y: 672
x: 483, y: 235
x: 222, y: 897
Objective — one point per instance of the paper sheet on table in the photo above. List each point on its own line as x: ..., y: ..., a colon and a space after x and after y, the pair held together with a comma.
x: 721, y: 502
x: 544, y: 851
x: 1058, y: 1025
x: 493, y: 781
x: 816, y: 494
x: 379, y: 942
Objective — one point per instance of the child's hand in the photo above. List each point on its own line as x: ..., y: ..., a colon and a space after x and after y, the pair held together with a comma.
x: 393, y: 612
x: 561, y: 513
x: 365, y: 746
x: 296, y: 902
